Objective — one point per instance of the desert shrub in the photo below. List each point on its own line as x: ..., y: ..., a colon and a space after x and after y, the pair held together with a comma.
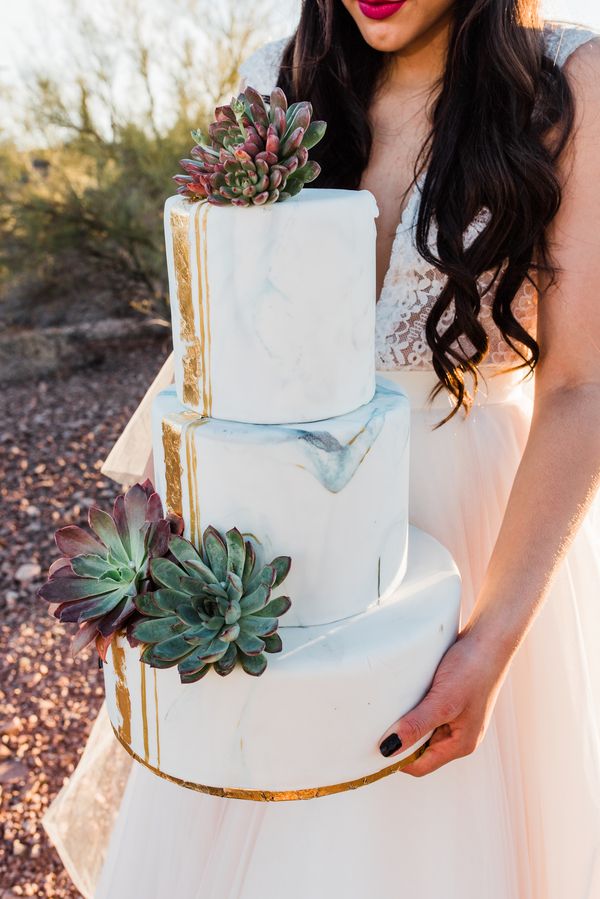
x: 82, y: 187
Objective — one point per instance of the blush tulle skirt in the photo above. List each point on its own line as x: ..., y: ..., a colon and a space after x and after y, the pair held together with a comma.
x: 518, y: 819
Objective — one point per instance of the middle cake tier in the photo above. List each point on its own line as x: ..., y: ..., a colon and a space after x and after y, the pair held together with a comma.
x: 331, y: 494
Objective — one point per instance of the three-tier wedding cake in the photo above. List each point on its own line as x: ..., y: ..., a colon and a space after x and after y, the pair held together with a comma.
x: 374, y: 602
x: 278, y: 433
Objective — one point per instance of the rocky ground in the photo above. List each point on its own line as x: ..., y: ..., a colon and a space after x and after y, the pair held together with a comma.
x: 53, y: 438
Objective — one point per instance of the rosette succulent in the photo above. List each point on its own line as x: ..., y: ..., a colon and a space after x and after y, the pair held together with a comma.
x: 212, y: 609
x: 255, y: 152
x: 100, y: 574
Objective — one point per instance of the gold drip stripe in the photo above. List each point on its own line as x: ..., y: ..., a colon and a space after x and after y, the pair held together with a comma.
x: 192, y: 480
x: 357, y: 435
x: 208, y: 370
x: 121, y: 692
x: 276, y: 795
x: 156, y: 714
x: 191, y: 463
x: 200, y: 305
x: 200, y: 234
x: 144, y: 711
x: 171, y: 437
x: 191, y: 432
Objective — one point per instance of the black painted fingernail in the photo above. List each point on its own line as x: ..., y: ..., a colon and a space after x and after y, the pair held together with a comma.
x: 390, y: 745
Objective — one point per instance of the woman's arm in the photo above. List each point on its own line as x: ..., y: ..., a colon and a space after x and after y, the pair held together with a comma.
x: 559, y: 471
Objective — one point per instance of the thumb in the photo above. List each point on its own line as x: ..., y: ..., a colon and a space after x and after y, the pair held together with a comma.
x: 414, y: 727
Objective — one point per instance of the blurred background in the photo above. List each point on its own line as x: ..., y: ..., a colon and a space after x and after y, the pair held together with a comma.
x: 96, y: 105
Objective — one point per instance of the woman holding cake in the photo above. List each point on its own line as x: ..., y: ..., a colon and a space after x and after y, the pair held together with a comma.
x: 476, y: 124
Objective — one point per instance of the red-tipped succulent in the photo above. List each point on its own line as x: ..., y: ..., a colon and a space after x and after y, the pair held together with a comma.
x: 255, y: 152
x: 100, y: 574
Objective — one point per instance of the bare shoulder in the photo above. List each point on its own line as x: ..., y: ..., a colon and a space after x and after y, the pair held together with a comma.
x: 582, y: 69
x: 581, y: 63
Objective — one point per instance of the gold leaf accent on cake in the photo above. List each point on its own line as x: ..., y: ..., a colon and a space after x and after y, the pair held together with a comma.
x: 192, y: 373
x: 171, y: 437
x: 156, y: 718
x: 183, y: 272
x: 280, y: 795
x: 121, y: 692
x: 192, y: 361
x: 144, y: 711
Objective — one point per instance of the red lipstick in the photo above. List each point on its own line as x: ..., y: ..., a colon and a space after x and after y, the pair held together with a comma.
x: 379, y: 10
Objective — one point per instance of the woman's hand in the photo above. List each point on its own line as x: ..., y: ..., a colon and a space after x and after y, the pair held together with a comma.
x: 458, y: 706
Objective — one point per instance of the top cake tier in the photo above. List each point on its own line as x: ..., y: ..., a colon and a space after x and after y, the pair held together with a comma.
x: 273, y: 307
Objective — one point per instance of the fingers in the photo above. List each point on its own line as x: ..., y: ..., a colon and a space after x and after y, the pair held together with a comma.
x: 436, y: 755
x: 413, y: 727
x: 444, y: 746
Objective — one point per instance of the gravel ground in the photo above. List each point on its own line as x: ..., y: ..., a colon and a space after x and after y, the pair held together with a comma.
x: 53, y: 438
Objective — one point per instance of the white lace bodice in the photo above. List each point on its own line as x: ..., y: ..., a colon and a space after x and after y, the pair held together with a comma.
x: 411, y: 285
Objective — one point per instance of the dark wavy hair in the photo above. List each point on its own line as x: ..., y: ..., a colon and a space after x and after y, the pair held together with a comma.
x: 501, y: 118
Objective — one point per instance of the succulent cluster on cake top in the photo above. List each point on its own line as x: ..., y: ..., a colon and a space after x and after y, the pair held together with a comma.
x: 255, y: 152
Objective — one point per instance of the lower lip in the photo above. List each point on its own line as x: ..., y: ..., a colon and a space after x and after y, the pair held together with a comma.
x: 380, y: 10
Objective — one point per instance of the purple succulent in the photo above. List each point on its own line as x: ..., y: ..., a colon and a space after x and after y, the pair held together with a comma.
x: 255, y: 152
x: 99, y: 576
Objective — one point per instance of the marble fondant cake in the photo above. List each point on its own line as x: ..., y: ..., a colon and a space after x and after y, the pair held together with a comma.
x: 309, y: 725
x: 264, y: 611
x: 273, y: 307
x: 331, y: 494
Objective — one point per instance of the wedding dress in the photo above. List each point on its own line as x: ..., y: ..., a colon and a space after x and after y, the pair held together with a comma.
x: 520, y: 817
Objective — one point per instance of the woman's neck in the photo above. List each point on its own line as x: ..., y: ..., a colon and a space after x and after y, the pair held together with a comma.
x: 420, y: 65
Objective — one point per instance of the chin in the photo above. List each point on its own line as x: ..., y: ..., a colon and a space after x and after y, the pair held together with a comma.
x: 393, y: 26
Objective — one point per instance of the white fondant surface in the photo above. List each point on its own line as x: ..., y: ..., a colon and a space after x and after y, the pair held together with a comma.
x: 315, y: 717
x: 284, y: 304
x: 332, y: 494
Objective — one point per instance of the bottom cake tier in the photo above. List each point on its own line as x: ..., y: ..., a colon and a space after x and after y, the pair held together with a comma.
x: 310, y: 725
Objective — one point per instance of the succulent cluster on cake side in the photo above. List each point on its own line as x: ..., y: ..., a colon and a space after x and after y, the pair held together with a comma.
x: 194, y: 608
x: 212, y: 609
x: 100, y: 573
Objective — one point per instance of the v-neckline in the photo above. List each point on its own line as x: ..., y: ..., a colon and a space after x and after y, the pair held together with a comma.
x: 400, y: 229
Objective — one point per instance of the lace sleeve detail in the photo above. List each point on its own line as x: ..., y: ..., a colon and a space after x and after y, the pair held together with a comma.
x: 261, y: 70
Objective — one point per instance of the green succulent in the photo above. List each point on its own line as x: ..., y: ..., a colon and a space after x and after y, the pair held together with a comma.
x: 100, y: 574
x: 212, y: 608
x: 255, y: 152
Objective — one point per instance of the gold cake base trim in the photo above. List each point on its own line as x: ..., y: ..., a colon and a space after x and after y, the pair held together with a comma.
x: 276, y: 795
